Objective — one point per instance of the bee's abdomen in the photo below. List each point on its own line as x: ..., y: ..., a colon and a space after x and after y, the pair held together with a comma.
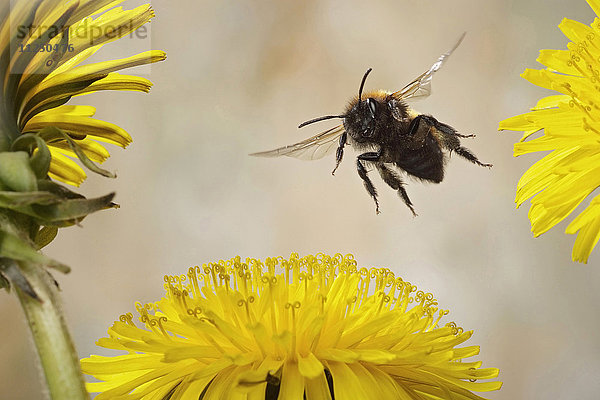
x: 425, y: 163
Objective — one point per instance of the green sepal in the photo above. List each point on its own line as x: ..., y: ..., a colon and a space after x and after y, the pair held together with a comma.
x: 15, y: 248
x: 17, y: 200
x: 54, y: 205
x: 45, y: 236
x: 70, y: 212
x: 11, y: 273
x: 16, y: 172
x: 51, y: 133
x: 55, y: 211
x: 39, y: 160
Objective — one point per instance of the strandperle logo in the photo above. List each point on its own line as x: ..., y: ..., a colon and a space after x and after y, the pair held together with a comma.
x: 86, y: 31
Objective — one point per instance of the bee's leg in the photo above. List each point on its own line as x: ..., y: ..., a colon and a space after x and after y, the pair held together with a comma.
x: 362, y: 172
x: 414, y: 124
x: 395, y: 182
x: 340, y: 152
x: 447, y: 129
x: 466, y: 153
x: 449, y: 139
x: 414, y: 131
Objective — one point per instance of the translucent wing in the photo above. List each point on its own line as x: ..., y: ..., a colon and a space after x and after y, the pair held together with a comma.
x: 310, y: 149
x: 421, y: 86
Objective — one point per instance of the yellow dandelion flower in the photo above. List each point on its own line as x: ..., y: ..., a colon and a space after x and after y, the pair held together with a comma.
x: 42, y: 47
x: 571, y: 122
x: 316, y: 326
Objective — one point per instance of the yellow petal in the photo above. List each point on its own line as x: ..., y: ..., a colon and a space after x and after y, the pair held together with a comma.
x: 123, y: 363
x: 543, y: 219
x: 89, y: 71
x: 40, y: 100
x: 194, y: 389
x: 81, y: 126
x: 116, y: 81
x: 64, y: 169
x: 546, y: 165
x: 21, y: 14
x: 92, y: 33
x: 587, y: 227
x: 527, y: 134
x: 531, y: 189
x: 92, y: 7
x: 220, y: 385
x: 94, y: 150
x: 551, y: 101
x: 346, y: 385
x: 74, y: 60
x: 183, y: 352
x: 574, y: 30
x: 52, y: 25
x: 384, y: 382
x: 292, y: 382
x: 522, y: 122
x: 368, y: 382
x: 164, y: 384
x: 109, y: 26
x: 132, y: 384
x: 375, y: 356
x: 317, y: 388
x: 595, y: 4
x: 341, y: 355
x: 465, y: 352
x: 79, y: 111
x: 309, y: 366
x: 559, y: 60
x: 116, y: 381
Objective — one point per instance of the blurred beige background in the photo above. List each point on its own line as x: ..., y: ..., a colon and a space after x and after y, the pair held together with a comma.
x: 239, y: 78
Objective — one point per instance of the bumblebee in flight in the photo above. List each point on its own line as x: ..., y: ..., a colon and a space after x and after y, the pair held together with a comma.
x: 390, y: 135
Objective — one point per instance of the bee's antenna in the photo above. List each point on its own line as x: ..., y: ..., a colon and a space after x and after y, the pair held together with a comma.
x: 362, y: 84
x: 320, y: 119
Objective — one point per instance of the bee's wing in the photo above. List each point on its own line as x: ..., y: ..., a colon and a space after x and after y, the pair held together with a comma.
x: 310, y: 149
x: 421, y: 86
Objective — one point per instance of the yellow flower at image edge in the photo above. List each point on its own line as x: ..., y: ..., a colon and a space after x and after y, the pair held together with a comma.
x: 315, y: 326
x: 563, y: 179
x: 42, y: 46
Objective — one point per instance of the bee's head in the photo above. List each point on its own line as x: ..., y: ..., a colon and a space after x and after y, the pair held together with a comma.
x: 361, y: 118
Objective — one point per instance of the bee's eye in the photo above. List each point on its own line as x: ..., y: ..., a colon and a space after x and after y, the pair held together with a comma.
x: 372, y: 106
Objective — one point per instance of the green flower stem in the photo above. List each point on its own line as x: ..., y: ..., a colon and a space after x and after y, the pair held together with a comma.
x: 53, y: 341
